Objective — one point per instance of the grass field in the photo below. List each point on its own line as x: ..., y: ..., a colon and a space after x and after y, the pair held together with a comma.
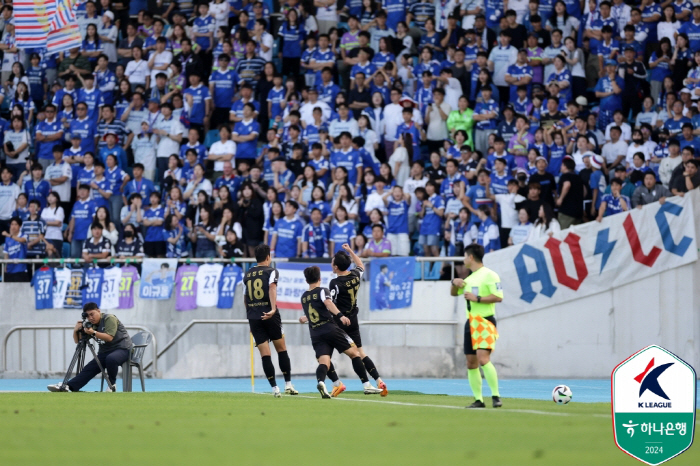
x: 247, y: 429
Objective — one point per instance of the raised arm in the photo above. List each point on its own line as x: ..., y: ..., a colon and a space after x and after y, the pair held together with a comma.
x: 355, y: 259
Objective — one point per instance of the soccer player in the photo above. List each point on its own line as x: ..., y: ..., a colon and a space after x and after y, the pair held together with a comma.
x: 260, y: 298
x: 482, y: 290
x: 326, y: 335
x: 344, y: 290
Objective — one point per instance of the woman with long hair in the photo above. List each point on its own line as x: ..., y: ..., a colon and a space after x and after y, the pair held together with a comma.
x: 567, y: 24
x: 431, y: 40
x: 347, y: 201
x: 16, y: 146
x: 92, y: 45
x: 292, y: 37
x: 681, y: 61
x: 342, y: 231
x: 276, y: 213
x: 384, y: 55
x: 365, y: 131
x: 307, y: 183
x: 109, y: 231
x: 375, y: 114
x: 228, y: 223
x: 175, y: 204
x: 22, y: 99
x: 545, y: 225
x: 575, y: 59
x: 175, y: 235
x: 203, y: 234
x: 660, y: 64
x: 340, y: 177
x: 318, y: 201
x: 224, y: 201
x: 668, y: 26
x: 67, y: 113
x: 484, y: 80
x: 122, y: 98
x: 130, y: 246
x: 53, y: 215
x: 118, y: 179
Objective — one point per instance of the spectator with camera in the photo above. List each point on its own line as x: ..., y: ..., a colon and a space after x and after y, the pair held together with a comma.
x: 115, y: 345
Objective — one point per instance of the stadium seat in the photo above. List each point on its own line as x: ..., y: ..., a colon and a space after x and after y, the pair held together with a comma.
x: 432, y: 271
x: 211, y: 137
x: 141, y: 340
x: 417, y: 271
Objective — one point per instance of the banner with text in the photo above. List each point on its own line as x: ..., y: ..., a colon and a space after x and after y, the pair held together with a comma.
x: 157, y: 278
x: 595, y: 257
x: 391, y: 280
x: 292, y: 284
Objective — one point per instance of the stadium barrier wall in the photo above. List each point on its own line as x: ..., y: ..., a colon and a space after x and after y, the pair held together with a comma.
x: 580, y: 336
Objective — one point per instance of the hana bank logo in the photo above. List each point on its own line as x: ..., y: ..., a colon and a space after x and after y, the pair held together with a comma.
x: 649, y: 381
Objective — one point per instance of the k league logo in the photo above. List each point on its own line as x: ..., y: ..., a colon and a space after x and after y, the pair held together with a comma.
x: 653, y: 404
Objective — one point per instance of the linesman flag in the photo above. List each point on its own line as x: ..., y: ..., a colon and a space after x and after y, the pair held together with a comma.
x: 49, y: 24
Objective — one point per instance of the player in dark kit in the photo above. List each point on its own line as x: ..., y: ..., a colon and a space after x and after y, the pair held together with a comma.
x: 344, y: 291
x: 325, y: 333
x: 260, y: 298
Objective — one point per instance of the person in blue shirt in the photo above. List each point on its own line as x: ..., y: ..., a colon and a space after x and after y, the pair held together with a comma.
x: 291, y: 35
x: 139, y: 185
x: 453, y: 176
x: 691, y: 28
x: 200, y: 103
x: 397, y: 205
x: 81, y: 217
x: 101, y: 187
x: 609, y: 90
x: 287, y: 233
x: 432, y: 212
x: 315, y: 236
x: 519, y: 74
x: 91, y: 96
x: 488, y: 234
x: 500, y: 177
x: 37, y: 80
x: 113, y: 149
x: 154, y: 218
x: 37, y: 188
x: 203, y: 29
x: 83, y: 128
x: 613, y: 203
x: 408, y: 127
x: 48, y: 132
x: 193, y: 144
x: 222, y: 87
x: 342, y: 231
x: 15, y: 247
x: 245, y: 134
x: 347, y: 158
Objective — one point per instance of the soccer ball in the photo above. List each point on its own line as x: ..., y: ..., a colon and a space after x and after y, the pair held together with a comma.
x: 561, y: 394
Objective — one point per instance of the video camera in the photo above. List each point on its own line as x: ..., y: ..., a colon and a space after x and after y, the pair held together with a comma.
x: 86, y: 324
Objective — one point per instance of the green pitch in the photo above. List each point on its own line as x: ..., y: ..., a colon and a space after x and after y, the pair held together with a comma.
x: 170, y: 428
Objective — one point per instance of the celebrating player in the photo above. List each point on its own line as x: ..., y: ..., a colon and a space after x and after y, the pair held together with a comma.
x: 344, y: 291
x: 481, y: 290
x: 326, y: 335
x: 260, y: 298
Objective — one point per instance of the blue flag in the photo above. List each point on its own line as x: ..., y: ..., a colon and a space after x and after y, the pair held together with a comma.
x: 391, y: 283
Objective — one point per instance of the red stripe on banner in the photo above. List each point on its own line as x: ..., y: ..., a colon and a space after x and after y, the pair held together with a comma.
x: 289, y: 305
x: 636, y: 245
x: 573, y: 240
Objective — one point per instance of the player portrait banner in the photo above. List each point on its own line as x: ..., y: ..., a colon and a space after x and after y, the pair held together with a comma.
x: 157, y: 278
x: 292, y: 284
x: 391, y: 283
x: 595, y: 257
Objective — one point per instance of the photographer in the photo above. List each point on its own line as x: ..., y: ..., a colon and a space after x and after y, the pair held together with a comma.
x: 114, y: 342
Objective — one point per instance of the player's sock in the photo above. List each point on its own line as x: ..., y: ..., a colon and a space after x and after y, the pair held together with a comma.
x: 269, y: 370
x: 475, y: 383
x: 371, y: 368
x: 360, y: 369
x: 491, y: 378
x: 321, y: 372
x: 333, y: 375
x: 285, y: 365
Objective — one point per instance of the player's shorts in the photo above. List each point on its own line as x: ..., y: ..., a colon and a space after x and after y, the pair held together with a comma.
x: 353, y: 330
x: 468, y: 349
x: 336, y: 339
x: 266, y: 330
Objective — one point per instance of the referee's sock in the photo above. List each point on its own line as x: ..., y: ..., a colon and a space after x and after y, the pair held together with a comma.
x: 321, y: 372
x: 269, y: 370
x: 360, y: 369
x: 491, y: 378
x: 371, y: 368
x: 333, y: 375
x: 475, y: 383
x: 285, y: 366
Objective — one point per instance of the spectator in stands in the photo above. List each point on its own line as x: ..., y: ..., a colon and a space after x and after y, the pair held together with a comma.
x: 53, y: 215
x: 488, y: 234
x: 650, y: 192
x: 690, y: 180
x: 432, y: 212
x: 98, y: 247
x: 613, y: 203
x: 203, y: 234
x: 109, y: 230
x: 80, y: 221
x: 154, y: 219
x: 15, y: 247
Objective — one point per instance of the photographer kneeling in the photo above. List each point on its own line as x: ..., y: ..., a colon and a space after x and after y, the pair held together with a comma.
x: 115, y: 345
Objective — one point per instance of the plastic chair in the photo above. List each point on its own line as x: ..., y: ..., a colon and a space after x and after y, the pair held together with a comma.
x: 140, y: 341
x: 211, y: 137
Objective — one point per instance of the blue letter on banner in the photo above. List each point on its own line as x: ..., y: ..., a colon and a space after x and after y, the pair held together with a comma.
x: 540, y: 275
x: 665, y: 229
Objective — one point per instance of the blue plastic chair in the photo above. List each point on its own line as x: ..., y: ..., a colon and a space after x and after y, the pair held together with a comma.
x: 211, y: 137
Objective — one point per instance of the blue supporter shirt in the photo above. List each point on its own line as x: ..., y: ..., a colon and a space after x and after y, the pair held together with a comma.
x: 37, y: 191
x: 155, y: 232
x: 397, y: 217
x: 85, y: 175
x: 224, y: 87
x: 612, y: 102
x: 320, y: 165
x: 432, y: 222
x: 200, y: 95
x: 86, y: 129
x: 249, y: 149
x: 519, y: 72
x: 200, y: 148
x: 203, y: 25
x: 97, y: 198
x: 448, y: 183
x: 349, y: 160
x: 45, y: 149
x: 276, y: 97
x: 293, y: 40
x: 15, y: 250
x: 499, y: 183
x: 237, y: 106
x: 556, y: 156
x: 288, y: 235
x: 82, y: 214
x: 342, y: 233
x: 317, y: 237
x: 230, y: 277
x: 144, y: 188
x: 613, y: 204
x: 483, y: 108
x: 94, y: 100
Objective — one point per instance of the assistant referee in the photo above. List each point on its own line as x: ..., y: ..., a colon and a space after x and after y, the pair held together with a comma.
x: 482, y: 290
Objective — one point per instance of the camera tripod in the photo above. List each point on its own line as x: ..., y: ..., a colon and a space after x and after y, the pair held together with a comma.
x: 79, y: 360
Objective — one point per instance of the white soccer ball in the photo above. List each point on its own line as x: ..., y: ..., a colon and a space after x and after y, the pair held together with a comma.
x: 562, y: 394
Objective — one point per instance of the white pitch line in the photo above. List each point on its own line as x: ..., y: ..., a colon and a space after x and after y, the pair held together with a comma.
x: 401, y: 403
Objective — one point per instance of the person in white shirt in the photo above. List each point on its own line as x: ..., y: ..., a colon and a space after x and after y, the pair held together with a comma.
x: 137, y: 69
x: 615, y: 151
x: 160, y: 60
x: 306, y: 110
x: 264, y: 39
x: 545, y: 225
x: 507, y: 202
x: 223, y: 150
x: 392, y: 120
x: 376, y: 199
x: 170, y: 134
x: 451, y: 86
x: 520, y: 232
x: 500, y: 59
x: 637, y: 146
x: 618, y: 120
x: 59, y: 175
x: 8, y: 198
x: 343, y: 123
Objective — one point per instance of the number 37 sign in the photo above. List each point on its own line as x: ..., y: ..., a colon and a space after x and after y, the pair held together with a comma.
x: 653, y: 404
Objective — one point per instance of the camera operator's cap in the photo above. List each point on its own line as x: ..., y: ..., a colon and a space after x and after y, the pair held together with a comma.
x: 540, y: 157
x: 110, y: 133
x: 582, y: 101
x: 597, y: 161
x: 610, y: 63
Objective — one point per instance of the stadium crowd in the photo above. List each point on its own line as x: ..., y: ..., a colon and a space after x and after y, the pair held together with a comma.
x: 398, y: 127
